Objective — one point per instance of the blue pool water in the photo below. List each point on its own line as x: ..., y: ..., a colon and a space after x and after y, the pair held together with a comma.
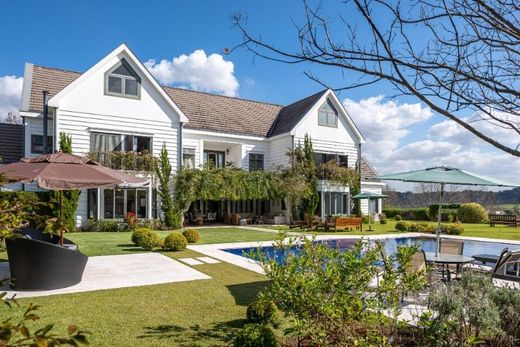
x: 391, y: 244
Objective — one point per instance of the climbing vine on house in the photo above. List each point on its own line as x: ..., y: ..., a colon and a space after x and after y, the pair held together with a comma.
x: 210, y: 183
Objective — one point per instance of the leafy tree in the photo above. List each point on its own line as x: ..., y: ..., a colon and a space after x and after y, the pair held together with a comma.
x: 311, y: 203
x: 459, y: 57
x: 163, y: 171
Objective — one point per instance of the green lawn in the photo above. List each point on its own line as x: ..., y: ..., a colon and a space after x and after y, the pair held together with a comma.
x: 195, y: 313
x: 474, y: 230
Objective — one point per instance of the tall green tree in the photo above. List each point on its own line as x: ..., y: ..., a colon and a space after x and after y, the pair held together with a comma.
x: 163, y: 171
x: 311, y: 203
x: 70, y: 197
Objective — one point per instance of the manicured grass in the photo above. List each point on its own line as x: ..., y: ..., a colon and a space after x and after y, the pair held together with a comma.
x: 107, y: 243
x: 195, y: 313
x: 474, y: 230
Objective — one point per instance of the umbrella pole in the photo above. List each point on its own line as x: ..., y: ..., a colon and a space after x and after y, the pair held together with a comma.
x: 438, y: 231
x: 60, y: 203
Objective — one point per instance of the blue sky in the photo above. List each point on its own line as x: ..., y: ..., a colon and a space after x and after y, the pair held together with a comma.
x: 76, y: 34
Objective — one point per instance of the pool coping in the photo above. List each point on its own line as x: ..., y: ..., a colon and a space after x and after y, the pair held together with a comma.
x: 217, y: 250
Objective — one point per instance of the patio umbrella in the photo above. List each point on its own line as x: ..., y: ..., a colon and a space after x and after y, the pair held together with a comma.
x: 62, y: 171
x: 444, y: 175
x: 369, y: 196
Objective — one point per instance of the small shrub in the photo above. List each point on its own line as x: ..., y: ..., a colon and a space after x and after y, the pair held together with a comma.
x: 154, y: 224
x: 256, y: 335
x: 264, y: 312
x: 365, y: 219
x: 175, y: 242
x: 401, y: 226
x: 398, y: 217
x: 452, y: 229
x: 383, y: 221
x: 130, y: 221
x: 138, y: 233
x: 191, y: 235
x: 472, y: 213
x: 149, y: 240
x: 418, y: 227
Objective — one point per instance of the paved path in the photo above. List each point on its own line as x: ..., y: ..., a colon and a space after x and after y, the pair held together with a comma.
x: 118, y: 271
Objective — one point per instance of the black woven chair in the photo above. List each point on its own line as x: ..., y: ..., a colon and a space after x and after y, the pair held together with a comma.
x: 38, y: 262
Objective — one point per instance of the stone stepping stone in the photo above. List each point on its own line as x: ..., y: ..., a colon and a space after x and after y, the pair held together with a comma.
x: 191, y: 261
x: 208, y: 260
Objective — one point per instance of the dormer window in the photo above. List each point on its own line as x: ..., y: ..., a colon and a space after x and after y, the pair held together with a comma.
x: 327, y: 115
x: 122, y: 80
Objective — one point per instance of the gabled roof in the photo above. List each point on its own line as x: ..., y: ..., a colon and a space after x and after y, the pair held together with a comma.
x: 368, y: 173
x: 122, y: 50
x: 204, y: 111
x: 292, y: 114
x: 11, y: 143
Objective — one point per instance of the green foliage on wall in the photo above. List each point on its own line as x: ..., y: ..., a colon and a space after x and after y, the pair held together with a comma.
x: 70, y: 197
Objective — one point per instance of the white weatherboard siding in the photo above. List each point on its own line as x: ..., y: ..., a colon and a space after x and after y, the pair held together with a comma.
x: 34, y: 126
x: 278, y: 149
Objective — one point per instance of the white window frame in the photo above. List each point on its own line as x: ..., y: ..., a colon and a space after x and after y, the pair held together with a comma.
x: 110, y: 73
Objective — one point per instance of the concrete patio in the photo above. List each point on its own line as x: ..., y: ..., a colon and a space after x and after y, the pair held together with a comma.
x: 118, y: 271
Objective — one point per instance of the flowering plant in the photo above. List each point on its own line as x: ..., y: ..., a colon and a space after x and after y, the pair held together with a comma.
x: 130, y: 220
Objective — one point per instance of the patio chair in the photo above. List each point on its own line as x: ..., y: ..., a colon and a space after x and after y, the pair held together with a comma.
x: 212, y: 216
x: 417, y: 263
x: 451, y: 246
x: 38, y: 262
x: 507, y: 266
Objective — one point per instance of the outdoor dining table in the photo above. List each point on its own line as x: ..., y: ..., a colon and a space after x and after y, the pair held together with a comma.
x: 445, y: 259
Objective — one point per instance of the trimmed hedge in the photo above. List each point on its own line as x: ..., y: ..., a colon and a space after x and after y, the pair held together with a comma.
x: 175, y: 242
x: 263, y: 311
x: 192, y: 235
x: 256, y: 335
x: 419, y: 213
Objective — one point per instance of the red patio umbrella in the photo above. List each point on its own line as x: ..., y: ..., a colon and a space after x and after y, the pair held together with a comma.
x: 62, y: 171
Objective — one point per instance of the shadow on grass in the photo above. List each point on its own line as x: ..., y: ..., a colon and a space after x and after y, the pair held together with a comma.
x: 189, y: 336
x: 245, y: 293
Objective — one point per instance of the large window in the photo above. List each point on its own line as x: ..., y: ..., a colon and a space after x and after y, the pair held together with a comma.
x: 118, y: 202
x: 37, y: 144
x: 322, y: 158
x: 335, y: 203
x: 327, y: 115
x: 256, y: 162
x: 122, y: 80
x: 218, y: 158
x: 120, y: 143
x: 188, y: 158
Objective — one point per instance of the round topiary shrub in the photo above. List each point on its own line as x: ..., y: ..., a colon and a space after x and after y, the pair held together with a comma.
x: 264, y: 312
x: 398, y: 217
x: 138, y: 233
x: 401, y: 226
x: 383, y: 221
x: 191, y: 235
x: 150, y: 240
x: 175, y: 242
x: 256, y: 335
x: 472, y: 213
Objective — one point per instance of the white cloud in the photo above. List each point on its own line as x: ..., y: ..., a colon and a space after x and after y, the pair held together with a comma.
x: 197, y: 71
x: 10, y: 93
x: 387, y: 126
x: 384, y: 123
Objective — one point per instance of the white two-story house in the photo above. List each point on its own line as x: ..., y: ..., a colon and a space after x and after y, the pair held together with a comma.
x: 117, y: 113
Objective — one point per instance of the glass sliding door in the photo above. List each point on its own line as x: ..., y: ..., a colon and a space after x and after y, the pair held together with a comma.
x: 218, y: 158
x: 118, y: 202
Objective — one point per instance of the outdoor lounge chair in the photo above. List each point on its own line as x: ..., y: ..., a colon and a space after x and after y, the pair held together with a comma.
x: 507, y: 266
x: 38, y: 262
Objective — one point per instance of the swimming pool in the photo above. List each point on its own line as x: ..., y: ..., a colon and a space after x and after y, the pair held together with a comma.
x: 471, y: 247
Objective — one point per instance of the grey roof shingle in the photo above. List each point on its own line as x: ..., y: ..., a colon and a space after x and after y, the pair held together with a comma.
x: 11, y: 143
x: 204, y: 111
x: 291, y: 114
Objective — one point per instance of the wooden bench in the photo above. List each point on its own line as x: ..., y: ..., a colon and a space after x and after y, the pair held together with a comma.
x: 349, y: 223
x: 507, y: 219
